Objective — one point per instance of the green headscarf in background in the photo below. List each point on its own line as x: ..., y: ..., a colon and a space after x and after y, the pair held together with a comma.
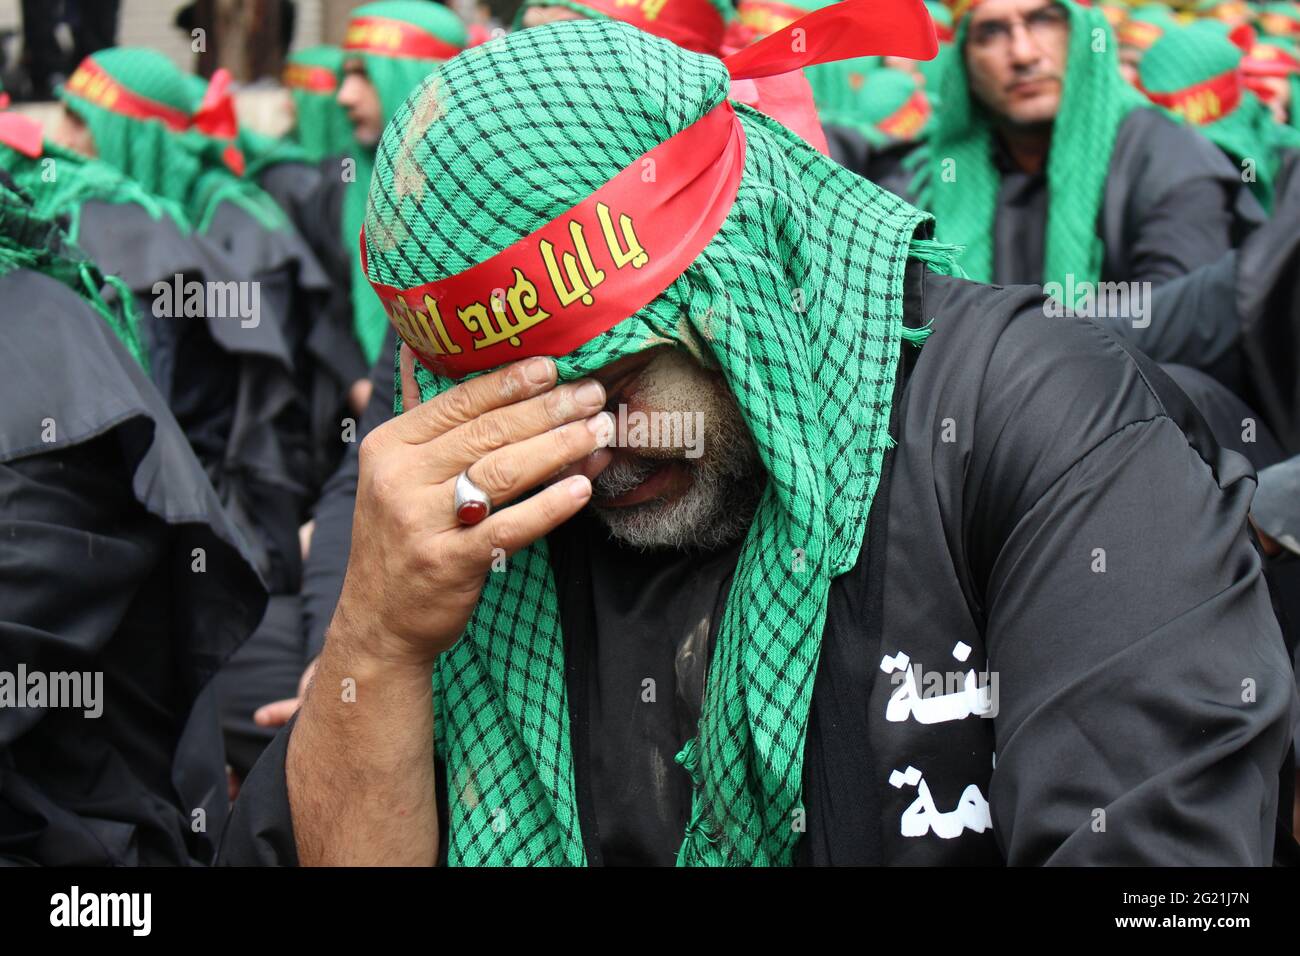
x: 933, y: 70
x: 1173, y: 72
x: 394, y: 77
x: 959, y: 181
x: 889, y: 107
x: 1280, y: 20
x: 797, y: 299
x: 136, y: 103
x: 59, y: 182
x: 36, y: 241
x: 322, y: 129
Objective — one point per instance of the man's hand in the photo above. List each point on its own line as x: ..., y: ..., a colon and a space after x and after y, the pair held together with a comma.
x: 359, y: 393
x: 415, y: 572
x: 360, y: 770
x: 277, y: 713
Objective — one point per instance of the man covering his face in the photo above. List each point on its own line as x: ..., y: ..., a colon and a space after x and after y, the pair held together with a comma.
x: 949, y: 484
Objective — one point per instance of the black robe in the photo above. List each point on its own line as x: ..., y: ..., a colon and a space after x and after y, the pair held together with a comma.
x: 1172, y: 205
x: 327, y: 563
x: 269, y: 665
x: 1055, y: 513
x: 333, y: 358
x: 229, y: 384
x: 115, y: 556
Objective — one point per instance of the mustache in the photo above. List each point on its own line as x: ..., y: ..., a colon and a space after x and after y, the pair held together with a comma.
x: 623, y: 474
x: 1033, y: 77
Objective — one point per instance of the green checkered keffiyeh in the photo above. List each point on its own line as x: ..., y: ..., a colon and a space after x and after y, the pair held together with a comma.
x: 959, y: 182
x: 393, y: 78
x: 322, y: 129
x: 185, y: 167
x: 797, y: 299
x: 32, y: 240
x: 1248, y: 134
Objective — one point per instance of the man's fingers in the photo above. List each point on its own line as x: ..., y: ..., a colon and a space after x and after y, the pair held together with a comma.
x: 468, y: 444
x: 591, y: 466
x: 508, y: 472
x: 410, y: 390
x: 468, y: 400
x: 276, y: 714
x: 520, y: 525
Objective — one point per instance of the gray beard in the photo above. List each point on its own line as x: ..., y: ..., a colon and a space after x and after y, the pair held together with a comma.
x: 716, y: 510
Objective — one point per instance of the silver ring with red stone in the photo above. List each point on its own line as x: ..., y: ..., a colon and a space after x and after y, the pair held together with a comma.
x: 472, y: 502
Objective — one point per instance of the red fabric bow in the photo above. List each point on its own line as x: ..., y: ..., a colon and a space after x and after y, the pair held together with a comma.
x: 841, y: 31
x: 216, y: 117
x: 216, y: 114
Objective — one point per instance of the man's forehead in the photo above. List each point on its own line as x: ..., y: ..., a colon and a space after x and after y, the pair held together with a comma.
x: 1005, y: 9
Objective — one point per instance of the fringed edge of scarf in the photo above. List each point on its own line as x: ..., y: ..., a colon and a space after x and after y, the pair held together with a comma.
x: 699, y: 846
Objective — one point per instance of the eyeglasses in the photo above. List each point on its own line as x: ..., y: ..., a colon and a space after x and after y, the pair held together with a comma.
x: 1042, y: 23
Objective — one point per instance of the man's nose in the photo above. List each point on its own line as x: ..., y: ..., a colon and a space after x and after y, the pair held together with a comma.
x: 344, y: 96
x: 1025, y: 50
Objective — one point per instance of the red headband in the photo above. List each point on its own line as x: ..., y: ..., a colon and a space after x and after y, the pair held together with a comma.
x: 909, y: 119
x: 1264, y: 59
x: 694, y: 24
x: 959, y: 9
x: 395, y: 38
x: 766, y: 16
x: 313, y: 79
x: 20, y: 132
x: 215, y: 116
x: 92, y: 83
x: 1278, y: 25
x: 1140, y: 34
x: 1203, y: 102
x: 614, y: 252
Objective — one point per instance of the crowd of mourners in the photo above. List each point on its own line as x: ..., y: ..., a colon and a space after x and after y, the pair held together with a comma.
x: 194, y: 351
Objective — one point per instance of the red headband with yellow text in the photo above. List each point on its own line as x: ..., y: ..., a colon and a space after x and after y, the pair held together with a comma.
x: 214, y: 117
x: 397, y: 39
x: 696, y: 25
x: 960, y: 8
x: 310, y: 79
x: 614, y: 252
x: 92, y: 83
x: 767, y: 16
x: 1203, y: 102
x: 909, y: 119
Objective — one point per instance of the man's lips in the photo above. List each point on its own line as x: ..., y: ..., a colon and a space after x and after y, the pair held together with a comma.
x: 666, y: 481
x: 1030, y: 87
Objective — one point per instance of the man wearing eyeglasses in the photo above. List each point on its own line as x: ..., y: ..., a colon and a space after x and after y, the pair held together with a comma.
x: 1049, y: 168
x: 1047, y: 165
